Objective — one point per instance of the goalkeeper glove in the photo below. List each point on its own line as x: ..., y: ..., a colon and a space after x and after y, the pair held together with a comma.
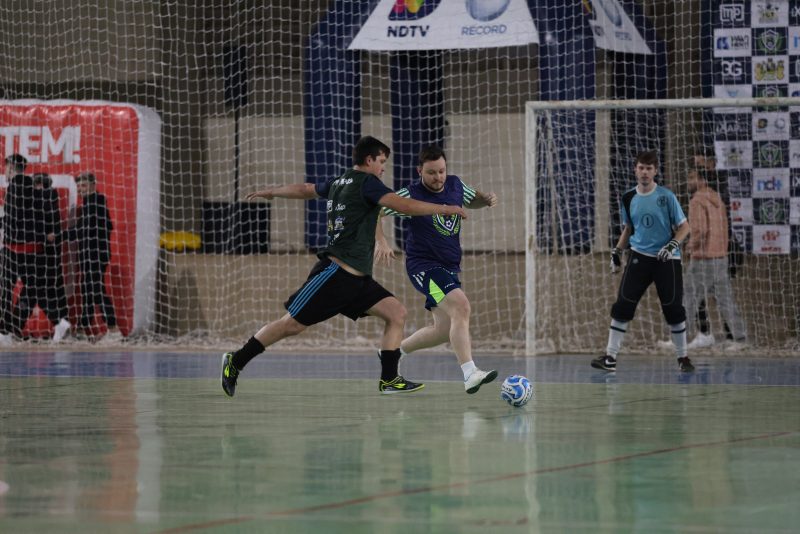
x: 665, y: 254
x: 616, y: 260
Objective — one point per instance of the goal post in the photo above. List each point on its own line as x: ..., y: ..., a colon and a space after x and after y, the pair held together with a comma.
x: 568, y: 287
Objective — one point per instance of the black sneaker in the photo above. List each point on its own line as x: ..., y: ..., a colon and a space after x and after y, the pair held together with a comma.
x: 605, y: 362
x: 685, y: 364
x: 229, y: 374
x: 398, y: 385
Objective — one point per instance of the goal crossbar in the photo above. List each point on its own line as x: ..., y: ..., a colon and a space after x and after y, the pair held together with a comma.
x: 665, y: 103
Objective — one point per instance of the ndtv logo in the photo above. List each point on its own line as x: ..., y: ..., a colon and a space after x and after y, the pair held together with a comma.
x: 39, y: 145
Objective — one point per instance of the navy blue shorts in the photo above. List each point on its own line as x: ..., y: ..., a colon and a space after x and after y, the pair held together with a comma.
x: 330, y: 290
x: 435, y: 284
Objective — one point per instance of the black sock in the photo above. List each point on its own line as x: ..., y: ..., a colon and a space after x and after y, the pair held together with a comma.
x: 251, y: 349
x: 389, y: 359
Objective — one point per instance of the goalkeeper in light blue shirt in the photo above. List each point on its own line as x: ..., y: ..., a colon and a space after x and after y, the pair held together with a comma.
x: 654, y: 227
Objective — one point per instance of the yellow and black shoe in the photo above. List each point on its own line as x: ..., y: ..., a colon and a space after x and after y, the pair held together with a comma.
x: 229, y: 374
x: 398, y: 385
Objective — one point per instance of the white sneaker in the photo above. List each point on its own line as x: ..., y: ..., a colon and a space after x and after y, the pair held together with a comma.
x: 113, y: 336
x: 6, y: 340
x: 477, y: 379
x: 735, y: 346
x: 665, y: 345
x: 61, y: 330
x: 701, y: 341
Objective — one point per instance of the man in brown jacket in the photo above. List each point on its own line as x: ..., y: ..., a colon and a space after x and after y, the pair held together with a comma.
x: 707, y: 251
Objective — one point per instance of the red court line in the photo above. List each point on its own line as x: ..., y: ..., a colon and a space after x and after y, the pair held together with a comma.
x: 430, y: 489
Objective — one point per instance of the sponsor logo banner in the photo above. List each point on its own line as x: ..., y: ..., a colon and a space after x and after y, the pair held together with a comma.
x: 770, y: 126
x: 446, y: 25
x: 770, y: 210
x: 733, y: 127
x: 794, y: 210
x: 734, y: 154
x: 613, y: 29
x: 766, y: 13
x: 733, y: 14
x: 732, y: 42
x: 770, y: 69
x: 739, y: 182
x: 771, y: 239
x: 771, y: 183
x: 742, y: 210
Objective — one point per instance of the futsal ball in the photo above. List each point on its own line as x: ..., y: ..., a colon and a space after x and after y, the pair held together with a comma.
x: 516, y: 390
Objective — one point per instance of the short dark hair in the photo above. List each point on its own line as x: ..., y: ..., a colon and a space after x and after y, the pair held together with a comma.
x: 707, y: 152
x: 86, y: 177
x: 708, y: 176
x: 43, y: 179
x: 18, y: 161
x: 431, y: 153
x: 648, y: 157
x: 369, y: 146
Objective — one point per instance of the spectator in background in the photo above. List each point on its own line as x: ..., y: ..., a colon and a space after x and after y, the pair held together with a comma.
x: 706, y: 159
x: 92, y: 231
x: 50, y: 293
x: 23, y: 240
x: 707, y: 251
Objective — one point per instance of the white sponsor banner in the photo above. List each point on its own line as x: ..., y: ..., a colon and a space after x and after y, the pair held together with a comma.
x: 770, y: 126
x: 794, y: 154
x: 769, y: 13
x: 770, y: 69
x: 733, y: 91
x: 446, y: 25
x: 733, y: 154
x: 771, y: 183
x: 794, y: 210
x: 732, y: 42
x: 742, y: 210
x: 794, y: 40
x: 771, y: 239
x: 614, y: 30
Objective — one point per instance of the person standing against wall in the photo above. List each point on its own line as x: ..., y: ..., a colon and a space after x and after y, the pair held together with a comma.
x: 92, y: 231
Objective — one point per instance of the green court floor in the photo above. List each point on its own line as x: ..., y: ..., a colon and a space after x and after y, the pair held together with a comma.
x: 103, y: 447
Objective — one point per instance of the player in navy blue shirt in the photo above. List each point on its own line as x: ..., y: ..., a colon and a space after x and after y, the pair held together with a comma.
x: 433, y: 261
x: 654, y: 227
x: 341, y: 282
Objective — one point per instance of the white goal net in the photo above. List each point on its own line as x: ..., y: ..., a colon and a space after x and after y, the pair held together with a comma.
x: 181, y: 108
x: 748, y: 151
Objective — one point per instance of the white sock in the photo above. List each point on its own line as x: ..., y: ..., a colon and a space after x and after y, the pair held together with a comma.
x: 678, y: 334
x: 468, y: 368
x: 616, y: 333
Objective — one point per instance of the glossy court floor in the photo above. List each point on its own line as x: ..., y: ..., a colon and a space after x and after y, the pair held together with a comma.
x: 147, y: 442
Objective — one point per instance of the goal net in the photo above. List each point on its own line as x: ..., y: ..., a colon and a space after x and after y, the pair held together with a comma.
x: 580, y: 160
x: 182, y: 108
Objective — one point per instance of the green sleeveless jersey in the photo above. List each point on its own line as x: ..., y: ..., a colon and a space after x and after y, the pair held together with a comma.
x: 352, y: 218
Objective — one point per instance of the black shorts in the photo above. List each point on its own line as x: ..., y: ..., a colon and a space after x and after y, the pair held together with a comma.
x: 330, y: 290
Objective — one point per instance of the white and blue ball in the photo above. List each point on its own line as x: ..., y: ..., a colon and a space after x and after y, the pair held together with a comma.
x: 516, y: 390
